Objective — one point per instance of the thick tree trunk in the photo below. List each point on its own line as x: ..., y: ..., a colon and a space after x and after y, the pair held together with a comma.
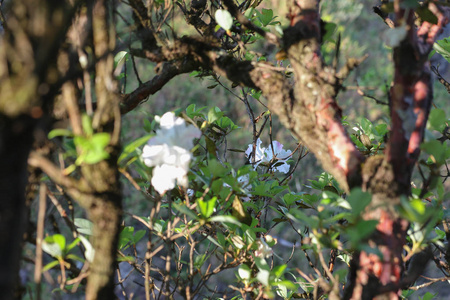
x: 16, y: 137
x: 27, y: 56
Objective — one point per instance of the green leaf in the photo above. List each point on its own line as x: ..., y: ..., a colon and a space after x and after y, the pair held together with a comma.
x: 84, y: 226
x: 244, y: 271
x: 426, y: 15
x: 428, y: 296
x: 360, y: 231
x: 119, y: 60
x: 126, y: 236
x: 414, y: 210
x: 221, y: 239
x: 100, y: 140
x: 158, y: 225
x: 330, y: 28
x: 138, y: 236
x: 54, y: 245
x: 125, y: 258
x: 185, y: 210
x: 148, y: 126
x: 212, y: 240
x: 131, y: 147
x: 358, y: 200
x: 443, y: 48
x: 265, y: 16
x: 437, y: 150
x: 60, y: 240
x: 206, y: 207
x: 216, y: 168
x: 225, y: 219
x: 437, y: 119
x: 120, y: 56
x: 224, y: 19
x: 92, y: 148
x: 74, y: 257
x: 263, y: 277
x: 286, y: 283
x: 50, y: 265
x: 279, y: 270
x: 60, y: 132
x: 73, y: 244
x: 214, y: 114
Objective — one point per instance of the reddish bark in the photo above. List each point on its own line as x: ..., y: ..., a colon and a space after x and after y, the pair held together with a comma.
x: 410, y: 101
x: 411, y: 93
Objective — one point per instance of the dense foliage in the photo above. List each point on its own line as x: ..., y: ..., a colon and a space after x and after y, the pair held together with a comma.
x: 171, y: 145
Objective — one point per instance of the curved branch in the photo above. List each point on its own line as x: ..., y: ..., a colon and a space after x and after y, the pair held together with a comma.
x: 75, y: 188
x: 168, y: 71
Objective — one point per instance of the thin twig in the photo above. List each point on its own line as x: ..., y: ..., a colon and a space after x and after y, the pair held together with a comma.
x: 40, y: 238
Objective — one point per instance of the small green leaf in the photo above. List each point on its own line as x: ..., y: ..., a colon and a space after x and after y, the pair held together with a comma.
x: 125, y: 258
x: 330, y: 28
x: 206, y: 207
x: 437, y: 150
x: 265, y: 16
x: 428, y: 296
x: 50, y: 265
x: 60, y: 240
x: 60, y: 132
x: 443, y: 48
x: 126, y: 236
x: 119, y: 60
x: 426, y: 15
x: 185, y: 210
x: 437, y: 119
x: 54, y: 245
x: 73, y: 244
x: 225, y: 219
x: 84, y: 226
x: 279, y: 270
x: 131, y: 147
x: 221, y: 239
x: 224, y: 19
x: 214, y: 114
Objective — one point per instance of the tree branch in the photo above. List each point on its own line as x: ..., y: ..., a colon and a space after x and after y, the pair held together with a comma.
x: 411, y: 94
x: 167, y: 72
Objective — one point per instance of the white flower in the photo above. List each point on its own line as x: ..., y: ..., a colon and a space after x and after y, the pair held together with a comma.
x: 266, y: 155
x: 259, y: 152
x: 264, y: 249
x: 169, y: 152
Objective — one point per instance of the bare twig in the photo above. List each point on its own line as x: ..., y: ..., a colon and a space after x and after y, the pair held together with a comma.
x: 40, y: 238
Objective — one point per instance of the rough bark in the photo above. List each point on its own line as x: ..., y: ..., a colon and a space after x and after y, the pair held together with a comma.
x: 388, y: 178
x: 27, y: 72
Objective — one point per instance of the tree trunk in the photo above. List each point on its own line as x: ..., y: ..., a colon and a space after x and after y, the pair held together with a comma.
x: 16, y: 137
